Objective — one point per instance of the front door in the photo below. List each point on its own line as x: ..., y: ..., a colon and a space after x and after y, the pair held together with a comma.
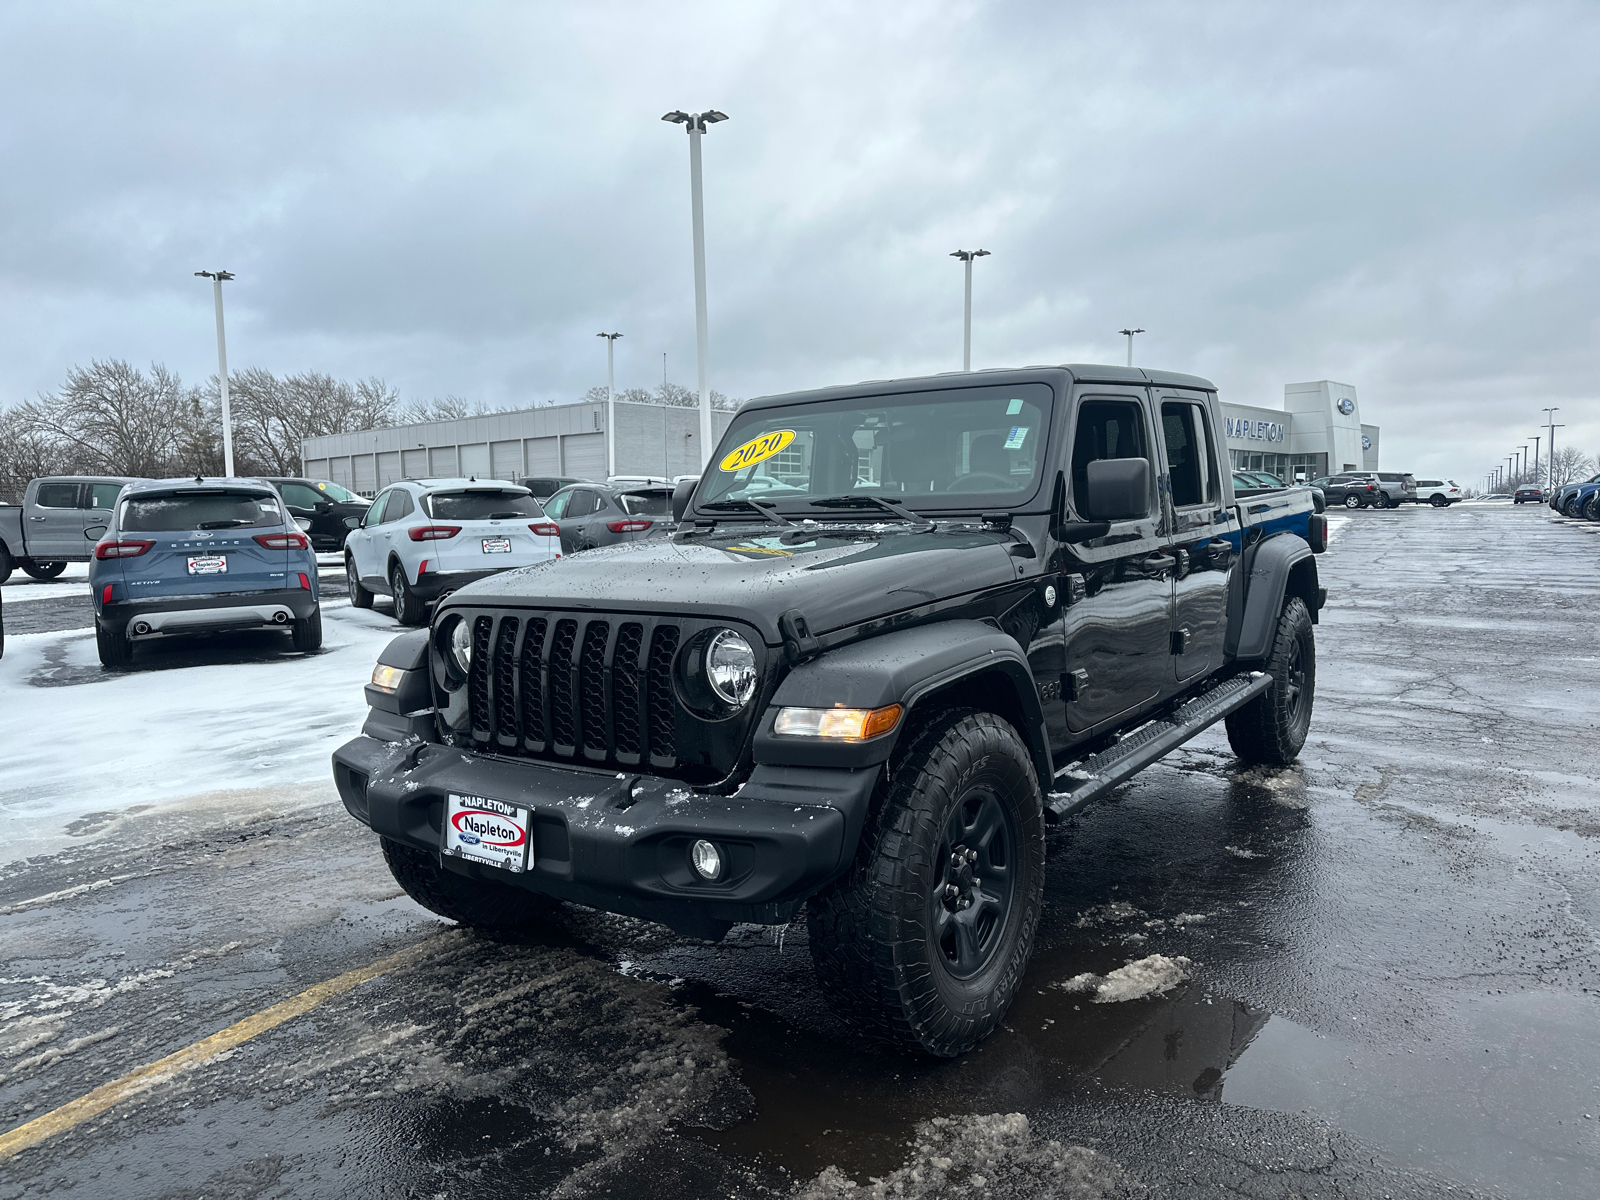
x: 1118, y: 587
x: 55, y: 523
x: 1205, y: 555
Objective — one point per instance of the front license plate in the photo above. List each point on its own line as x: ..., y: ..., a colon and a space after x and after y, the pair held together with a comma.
x: 208, y: 564
x: 487, y: 831
x: 497, y: 545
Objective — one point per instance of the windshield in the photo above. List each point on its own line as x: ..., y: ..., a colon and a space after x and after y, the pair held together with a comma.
x: 646, y: 504
x: 200, y: 510
x: 334, y: 492
x: 481, y: 504
x: 962, y: 448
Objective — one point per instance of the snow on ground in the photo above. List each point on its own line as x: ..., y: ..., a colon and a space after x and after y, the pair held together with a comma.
x: 1336, y: 527
x: 1134, y: 981
x: 226, y: 714
x: 74, y: 581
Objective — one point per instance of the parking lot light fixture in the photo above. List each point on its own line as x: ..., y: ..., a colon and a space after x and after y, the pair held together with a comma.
x: 695, y: 126
x: 611, y: 404
x: 217, y: 279
x: 1128, y: 333
x: 966, y: 256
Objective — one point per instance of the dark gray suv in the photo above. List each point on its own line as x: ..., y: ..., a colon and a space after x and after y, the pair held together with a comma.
x: 599, y: 514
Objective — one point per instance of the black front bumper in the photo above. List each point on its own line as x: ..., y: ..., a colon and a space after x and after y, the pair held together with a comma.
x: 621, y: 842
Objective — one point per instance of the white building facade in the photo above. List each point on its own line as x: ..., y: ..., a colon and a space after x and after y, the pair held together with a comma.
x: 1317, y: 432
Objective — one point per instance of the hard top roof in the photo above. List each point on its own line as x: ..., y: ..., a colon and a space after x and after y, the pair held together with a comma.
x: 1064, y: 373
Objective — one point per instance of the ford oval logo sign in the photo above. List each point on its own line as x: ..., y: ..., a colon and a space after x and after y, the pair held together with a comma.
x: 1366, y: 442
x: 1346, y: 405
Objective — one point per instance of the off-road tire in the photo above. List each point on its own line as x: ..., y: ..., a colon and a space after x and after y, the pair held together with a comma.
x: 408, y: 609
x: 360, y: 597
x: 1353, y: 502
x: 479, y: 903
x: 307, y: 634
x: 875, y: 933
x: 1272, y: 728
x: 43, y: 571
x: 115, y: 649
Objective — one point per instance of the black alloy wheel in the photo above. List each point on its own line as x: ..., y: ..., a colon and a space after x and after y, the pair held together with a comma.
x: 43, y: 571
x: 360, y: 597
x: 1273, y: 727
x: 969, y: 909
x: 1438, y: 502
x: 408, y: 609
x: 1570, y: 508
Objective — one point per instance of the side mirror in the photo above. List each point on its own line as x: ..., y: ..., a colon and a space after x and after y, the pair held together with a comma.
x: 1118, y: 489
x: 681, y: 495
x: 323, y: 506
x: 354, y: 522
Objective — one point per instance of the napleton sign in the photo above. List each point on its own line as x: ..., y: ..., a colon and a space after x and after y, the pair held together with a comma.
x: 1255, y: 431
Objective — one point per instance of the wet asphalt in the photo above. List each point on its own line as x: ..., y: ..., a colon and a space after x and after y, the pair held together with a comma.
x: 1391, y: 985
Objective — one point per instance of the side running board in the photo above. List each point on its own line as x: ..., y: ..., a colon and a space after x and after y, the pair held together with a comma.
x: 1095, y: 776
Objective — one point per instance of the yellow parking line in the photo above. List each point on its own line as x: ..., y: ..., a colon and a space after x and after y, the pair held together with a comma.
x: 75, y: 1112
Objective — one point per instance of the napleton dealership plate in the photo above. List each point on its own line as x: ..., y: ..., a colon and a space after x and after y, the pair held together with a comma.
x: 497, y: 545
x: 487, y: 831
x: 208, y: 564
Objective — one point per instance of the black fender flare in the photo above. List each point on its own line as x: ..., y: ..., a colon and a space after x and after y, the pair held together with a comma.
x: 1275, y: 568
x: 912, y: 667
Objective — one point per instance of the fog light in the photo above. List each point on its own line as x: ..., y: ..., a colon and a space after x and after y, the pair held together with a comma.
x: 707, y: 859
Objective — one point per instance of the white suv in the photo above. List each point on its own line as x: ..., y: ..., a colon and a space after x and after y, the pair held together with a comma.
x: 1438, y: 492
x: 424, y: 538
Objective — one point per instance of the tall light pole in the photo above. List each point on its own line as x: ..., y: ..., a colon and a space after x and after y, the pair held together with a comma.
x: 966, y: 256
x: 1550, y: 424
x: 1536, y: 438
x: 695, y: 125
x: 611, y: 404
x: 1128, y: 333
x: 217, y: 278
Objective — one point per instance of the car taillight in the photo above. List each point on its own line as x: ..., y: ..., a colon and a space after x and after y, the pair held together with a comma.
x: 105, y: 594
x: 546, y: 529
x: 121, y: 549
x: 282, y: 541
x: 628, y: 526
x: 434, y: 533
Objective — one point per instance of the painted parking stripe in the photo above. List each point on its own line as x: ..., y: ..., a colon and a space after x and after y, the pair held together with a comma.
x: 141, y: 1080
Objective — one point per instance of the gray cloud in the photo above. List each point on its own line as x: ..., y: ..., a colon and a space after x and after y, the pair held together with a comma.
x: 1401, y: 196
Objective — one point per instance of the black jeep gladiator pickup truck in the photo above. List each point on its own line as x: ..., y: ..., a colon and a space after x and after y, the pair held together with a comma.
x: 900, y: 627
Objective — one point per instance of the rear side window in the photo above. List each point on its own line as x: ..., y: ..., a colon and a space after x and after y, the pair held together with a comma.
x: 400, y: 505
x: 200, y: 510
x: 583, y: 503
x: 56, y: 495
x: 1188, y: 457
x: 1106, y: 429
x: 646, y: 504
x: 480, y: 504
x: 104, y: 495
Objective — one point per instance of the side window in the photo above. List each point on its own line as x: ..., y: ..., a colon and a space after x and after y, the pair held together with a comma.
x: 1189, y: 458
x: 1106, y: 429
x: 375, y: 513
x: 400, y: 506
x: 56, y: 495
x: 556, y: 506
x: 583, y: 503
x: 104, y: 495
x: 298, y: 495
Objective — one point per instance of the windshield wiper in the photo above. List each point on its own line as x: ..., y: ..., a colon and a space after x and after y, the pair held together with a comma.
x: 230, y: 523
x: 766, y: 508
x: 923, y: 525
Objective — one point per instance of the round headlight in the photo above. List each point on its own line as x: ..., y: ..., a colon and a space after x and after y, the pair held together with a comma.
x: 731, y: 668
x: 461, y: 646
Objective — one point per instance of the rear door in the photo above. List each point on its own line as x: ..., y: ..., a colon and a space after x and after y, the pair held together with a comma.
x: 54, y: 524
x: 581, y: 508
x: 363, y: 539
x: 1204, y: 533
x: 100, y: 499
x: 1117, y: 635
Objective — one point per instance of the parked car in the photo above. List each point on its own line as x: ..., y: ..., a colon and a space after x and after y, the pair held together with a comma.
x: 1571, y: 499
x: 184, y: 556
x: 324, y: 507
x: 1245, y: 482
x: 543, y: 487
x: 1348, y: 490
x: 59, y: 520
x: 1397, y: 487
x: 863, y: 701
x: 423, y: 538
x: 1528, y: 493
x: 596, y: 514
x: 1441, y: 493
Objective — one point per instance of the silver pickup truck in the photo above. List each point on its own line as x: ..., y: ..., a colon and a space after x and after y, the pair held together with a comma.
x: 60, y: 519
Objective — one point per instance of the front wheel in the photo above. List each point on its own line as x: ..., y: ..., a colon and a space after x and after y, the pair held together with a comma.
x: 479, y: 903
x: 115, y: 649
x: 1570, y: 508
x: 43, y: 570
x: 360, y: 597
x: 1272, y: 728
x: 921, y: 945
x: 408, y: 609
x: 1591, y: 507
x: 1352, y: 502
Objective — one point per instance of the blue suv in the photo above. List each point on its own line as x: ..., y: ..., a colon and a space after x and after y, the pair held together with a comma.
x: 200, y: 555
x: 1580, y: 498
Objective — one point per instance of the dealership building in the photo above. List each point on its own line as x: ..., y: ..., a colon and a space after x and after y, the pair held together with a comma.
x: 1317, y: 431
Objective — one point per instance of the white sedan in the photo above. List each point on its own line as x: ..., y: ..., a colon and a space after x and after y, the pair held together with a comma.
x: 424, y: 538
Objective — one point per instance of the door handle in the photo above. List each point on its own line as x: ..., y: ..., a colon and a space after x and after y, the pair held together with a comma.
x: 35, y: 518
x: 1159, y: 562
x: 1258, y: 508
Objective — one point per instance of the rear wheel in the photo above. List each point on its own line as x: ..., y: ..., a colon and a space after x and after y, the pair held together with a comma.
x: 115, y: 649
x: 43, y: 570
x: 6, y: 563
x: 359, y: 596
x: 921, y: 945
x: 308, y: 633
x: 476, y: 902
x: 1272, y: 728
x: 408, y: 609
x: 1352, y: 501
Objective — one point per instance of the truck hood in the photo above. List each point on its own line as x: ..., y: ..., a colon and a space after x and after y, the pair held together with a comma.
x: 837, y: 581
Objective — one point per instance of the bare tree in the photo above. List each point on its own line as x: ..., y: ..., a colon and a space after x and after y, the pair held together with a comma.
x: 114, y: 419
x: 445, y: 408
x: 1568, y: 464
x: 272, y: 415
x: 25, y: 452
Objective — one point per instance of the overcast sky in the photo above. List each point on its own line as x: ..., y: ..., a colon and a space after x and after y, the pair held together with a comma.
x: 456, y: 197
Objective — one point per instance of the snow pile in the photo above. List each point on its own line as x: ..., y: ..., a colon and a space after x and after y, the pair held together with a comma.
x: 1144, y: 977
x: 994, y: 1155
x: 1108, y: 914
x: 1243, y: 852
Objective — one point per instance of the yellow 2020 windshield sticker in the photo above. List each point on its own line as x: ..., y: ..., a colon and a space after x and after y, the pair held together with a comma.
x: 757, y: 449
